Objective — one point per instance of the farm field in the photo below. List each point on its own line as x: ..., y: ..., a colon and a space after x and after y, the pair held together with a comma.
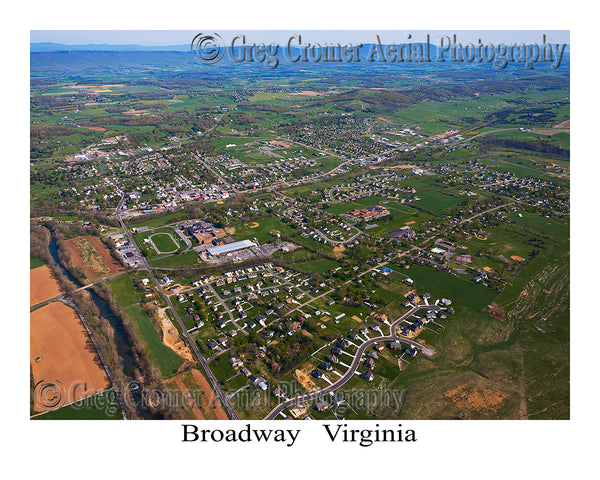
x: 42, y: 285
x: 61, y: 353
x: 92, y: 257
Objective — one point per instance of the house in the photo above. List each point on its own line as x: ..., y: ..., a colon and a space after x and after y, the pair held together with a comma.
x: 235, y: 362
x: 317, y: 373
x: 342, y: 343
x: 372, y: 355
x: 352, y: 335
x: 279, y: 393
x: 377, y: 347
x: 369, y: 363
x: 250, y: 324
x: 212, y: 345
x: 253, y: 378
x: 326, y: 366
x: 245, y: 372
x: 411, y: 351
x: 368, y: 375
x: 262, y: 384
x: 395, y: 346
x: 336, y: 351
x: 321, y: 405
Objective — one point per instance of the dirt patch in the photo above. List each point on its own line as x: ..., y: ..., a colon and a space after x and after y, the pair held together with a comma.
x: 42, y: 285
x: 339, y: 248
x: 303, y: 377
x: 308, y: 93
x: 517, y: 258
x: 470, y: 398
x: 98, y: 129
x: 489, y: 269
x: 212, y: 403
x: 230, y: 230
x: 171, y: 338
x: 187, y: 395
x: 306, y: 334
x: 410, y: 223
x: 92, y: 257
x: 253, y: 225
x: 397, y: 167
x: 358, y: 319
x: 62, y: 353
x: 496, y: 311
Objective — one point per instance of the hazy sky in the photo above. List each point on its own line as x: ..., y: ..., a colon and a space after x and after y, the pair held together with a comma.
x: 183, y: 37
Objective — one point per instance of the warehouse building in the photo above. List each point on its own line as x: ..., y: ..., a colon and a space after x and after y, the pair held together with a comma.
x: 230, y: 248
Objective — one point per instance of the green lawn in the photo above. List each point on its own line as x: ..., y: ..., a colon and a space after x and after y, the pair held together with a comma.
x: 103, y: 406
x: 442, y: 284
x: 164, y: 243
x: 35, y: 263
x: 126, y: 296
x: 435, y: 201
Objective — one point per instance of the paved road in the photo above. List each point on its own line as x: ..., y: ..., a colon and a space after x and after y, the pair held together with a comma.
x: 224, y: 399
x: 483, y: 213
x: 393, y: 337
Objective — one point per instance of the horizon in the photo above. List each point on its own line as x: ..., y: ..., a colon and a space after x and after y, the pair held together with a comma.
x: 172, y: 38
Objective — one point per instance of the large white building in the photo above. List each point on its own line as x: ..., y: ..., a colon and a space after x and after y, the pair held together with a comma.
x: 230, y: 248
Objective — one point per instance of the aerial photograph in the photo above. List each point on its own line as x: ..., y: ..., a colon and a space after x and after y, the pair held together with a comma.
x: 290, y: 225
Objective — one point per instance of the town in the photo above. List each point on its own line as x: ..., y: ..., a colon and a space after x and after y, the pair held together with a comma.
x: 297, y: 252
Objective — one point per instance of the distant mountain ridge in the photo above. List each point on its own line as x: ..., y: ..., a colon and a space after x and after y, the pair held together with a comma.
x: 60, y: 47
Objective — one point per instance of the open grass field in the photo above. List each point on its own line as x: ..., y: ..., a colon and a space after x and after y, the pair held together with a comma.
x: 62, y: 353
x: 436, y: 202
x: 157, y: 221
x: 35, y: 263
x: 102, y: 406
x: 176, y: 260
x: 319, y: 266
x: 42, y: 285
x: 442, y: 284
x: 124, y: 293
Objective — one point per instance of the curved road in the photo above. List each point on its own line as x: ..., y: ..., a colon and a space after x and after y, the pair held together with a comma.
x: 356, y: 361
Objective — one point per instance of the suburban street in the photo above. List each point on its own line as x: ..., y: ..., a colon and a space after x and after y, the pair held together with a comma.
x: 393, y: 337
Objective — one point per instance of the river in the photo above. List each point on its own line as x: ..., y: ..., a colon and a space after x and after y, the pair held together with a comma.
x: 127, y: 360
